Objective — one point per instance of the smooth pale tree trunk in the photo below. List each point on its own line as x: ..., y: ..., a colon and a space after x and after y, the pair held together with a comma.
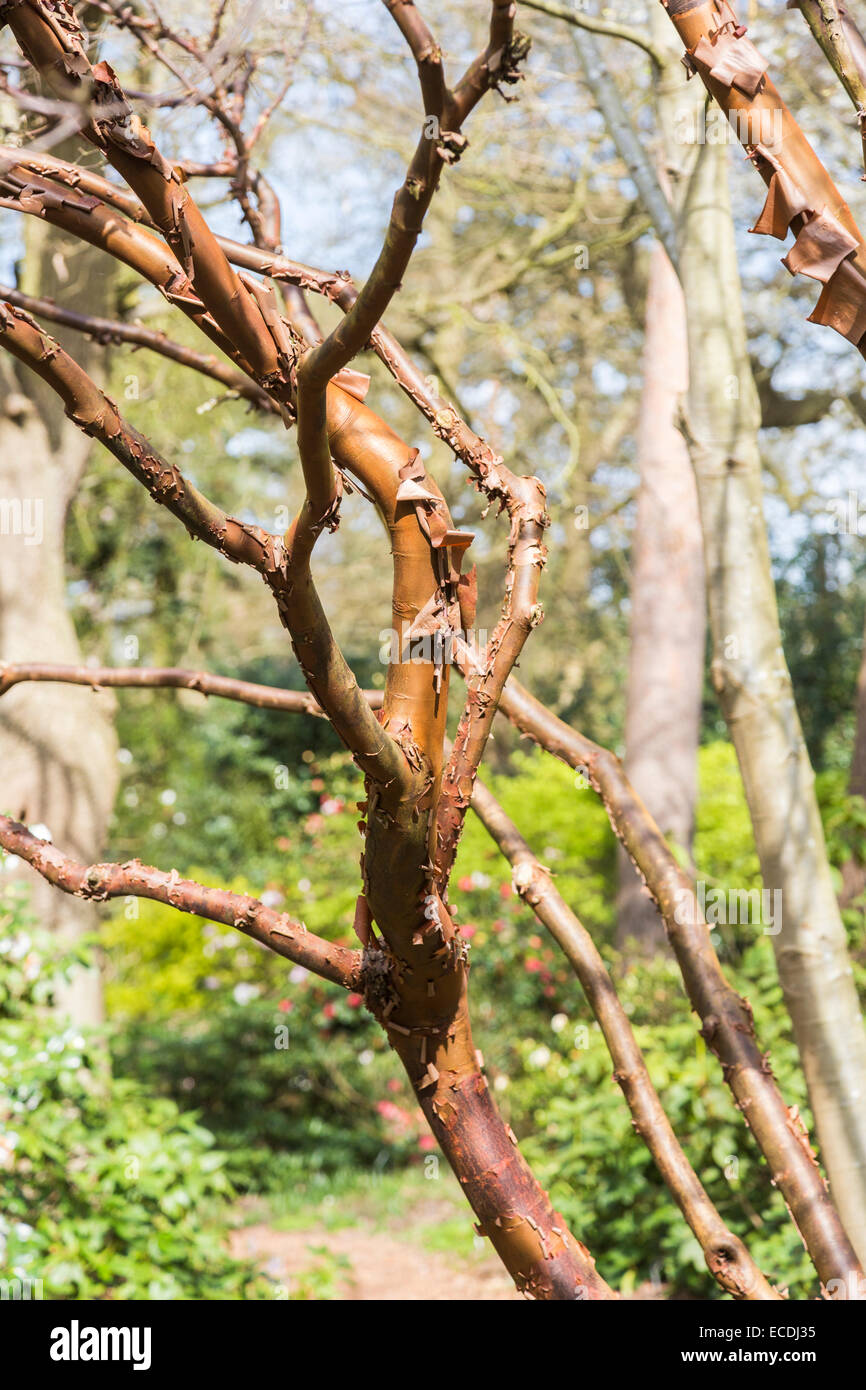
x: 57, y: 743
x: 666, y: 653
x: 749, y: 671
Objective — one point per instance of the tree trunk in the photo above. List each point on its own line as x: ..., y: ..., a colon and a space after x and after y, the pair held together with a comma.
x: 750, y: 674
x: 666, y: 655
x: 57, y: 744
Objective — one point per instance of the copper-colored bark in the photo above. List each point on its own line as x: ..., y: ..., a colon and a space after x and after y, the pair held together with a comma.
x: 414, y: 968
x: 725, y: 1254
x: 726, y: 1017
x: 801, y: 194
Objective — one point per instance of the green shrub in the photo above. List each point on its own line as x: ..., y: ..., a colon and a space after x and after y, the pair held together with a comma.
x: 108, y: 1190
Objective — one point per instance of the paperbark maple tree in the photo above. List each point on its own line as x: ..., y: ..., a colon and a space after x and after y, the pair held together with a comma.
x: 412, y: 966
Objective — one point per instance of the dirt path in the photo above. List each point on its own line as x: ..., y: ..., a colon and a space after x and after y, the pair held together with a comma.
x: 378, y: 1265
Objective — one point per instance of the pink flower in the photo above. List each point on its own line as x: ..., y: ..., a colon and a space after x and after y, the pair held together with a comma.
x: 426, y: 1142
x: 285, y: 1006
x: 505, y: 890
x: 532, y: 965
x: 329, y: 1010
x: 465, y: 884
x: 331, y: 805
x: 355, y: 1001
x: 394, y: 1084
x: 468, y: 931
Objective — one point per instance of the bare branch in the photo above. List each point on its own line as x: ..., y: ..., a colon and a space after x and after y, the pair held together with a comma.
x: 113, y: 331
x: 99, y: 882
x: 844, y: 48
x: 521, y: 612
x: 727, y: 1024
x: 155, y: 677
x: 727, y: 1257
x: 597, y: 26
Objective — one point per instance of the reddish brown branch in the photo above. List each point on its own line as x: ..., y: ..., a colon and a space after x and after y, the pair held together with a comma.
x: 324, y: 667
x: 726, y: 1018
x: 727, y: 1257
x: 96, y: 414
x: 521, y: 612
x: 802, y: 197
x: 99, y: 882
x: 425, y: 51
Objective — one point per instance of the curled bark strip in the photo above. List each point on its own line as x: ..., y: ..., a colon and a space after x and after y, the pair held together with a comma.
x: 100, y: 882
x: 821, y: 245
x: 726, y: 1018
x: 842, y: 304
x: 802, y: 195
x: 732, y: 60
x: 727, y: 1257
x: 783, y: 203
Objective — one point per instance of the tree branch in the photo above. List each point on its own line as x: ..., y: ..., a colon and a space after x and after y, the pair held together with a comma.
x: 726, y: 1018
x: 801, y: 195
x: 727, y: 1258
x: 99, y: 882
x: 113, y: 331
x: 843, y: 46
x: 521, y: 612
x: 172, y: 677
x: 593, y: 25
x: 328, y: 676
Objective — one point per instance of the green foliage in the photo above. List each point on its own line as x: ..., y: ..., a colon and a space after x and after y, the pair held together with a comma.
x: 109, y: 1191
x: 201, y: 1011
x: 577, y: 1132
x: 821, y: 610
